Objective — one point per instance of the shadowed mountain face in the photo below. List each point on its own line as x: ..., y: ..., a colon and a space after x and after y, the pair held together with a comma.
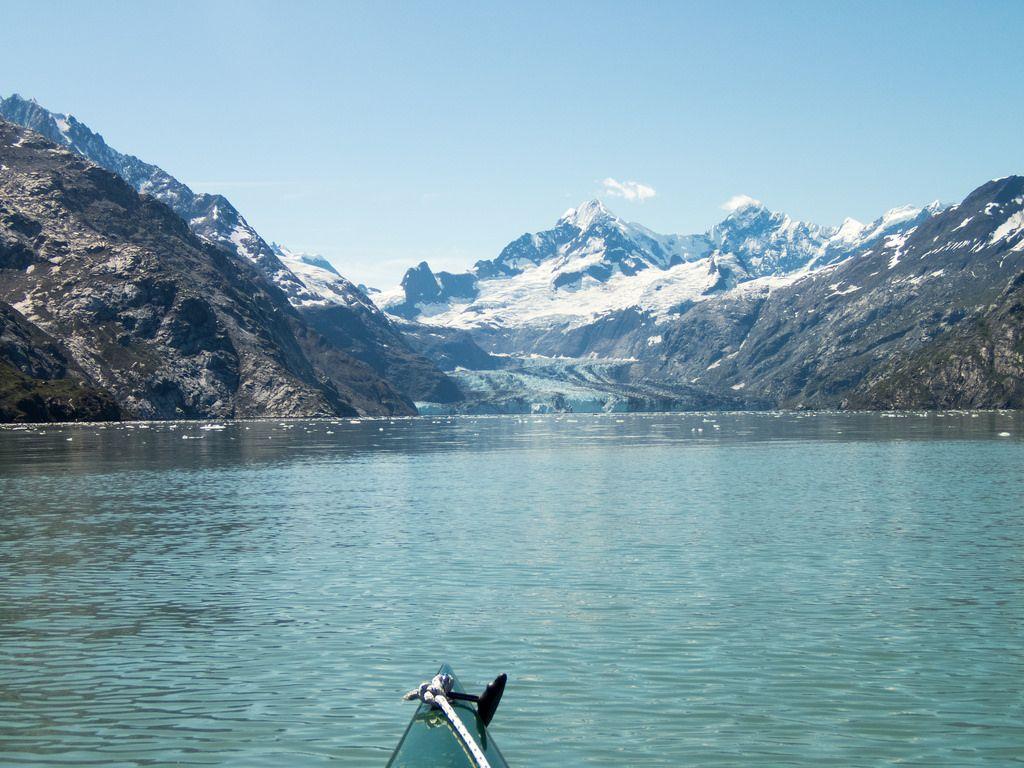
x: 211, y: 217
x: 142, y: 309
x: 38, y: 382
x: 345, y: 317
x: 931, y: 318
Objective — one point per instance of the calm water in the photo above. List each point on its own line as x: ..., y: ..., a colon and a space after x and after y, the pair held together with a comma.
x: 841, y: 590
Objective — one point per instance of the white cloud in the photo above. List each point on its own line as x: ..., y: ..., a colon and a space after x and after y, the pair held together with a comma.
x: 736, y: 202
x: 631, y: 190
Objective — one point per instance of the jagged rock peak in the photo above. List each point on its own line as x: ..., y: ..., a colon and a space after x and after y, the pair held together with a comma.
x: 585, y: 215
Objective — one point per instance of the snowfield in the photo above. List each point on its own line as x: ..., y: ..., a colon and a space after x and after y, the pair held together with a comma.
x: 592, y: 264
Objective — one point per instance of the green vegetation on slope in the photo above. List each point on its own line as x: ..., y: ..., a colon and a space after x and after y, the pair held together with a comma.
x: 24, y: 399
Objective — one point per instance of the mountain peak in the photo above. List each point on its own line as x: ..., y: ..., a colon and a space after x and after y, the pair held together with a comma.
x: 17, y: 98
x: 55, y: 126
x: 586, y: 214
x: 849, y: 230
x: 899, y: 215
x: 292, y: 258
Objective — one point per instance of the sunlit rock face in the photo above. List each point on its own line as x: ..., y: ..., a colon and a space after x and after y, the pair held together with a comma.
x: 336, y: 306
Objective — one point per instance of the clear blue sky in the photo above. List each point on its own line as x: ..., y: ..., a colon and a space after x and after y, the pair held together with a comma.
x: 380, y: 134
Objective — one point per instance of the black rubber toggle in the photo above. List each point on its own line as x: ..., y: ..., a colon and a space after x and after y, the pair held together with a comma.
x: 488, y: 702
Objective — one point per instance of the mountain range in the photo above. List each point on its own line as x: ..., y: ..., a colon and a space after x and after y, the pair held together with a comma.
x: 125, y: 294
x: 345, y: 338
x: 759, y: 311
x: 592, y: 262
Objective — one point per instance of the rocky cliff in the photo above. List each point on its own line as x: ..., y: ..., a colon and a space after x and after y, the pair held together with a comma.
x: 168, y: 324
x: 930, y: 317
x: 345, y: 317
x: 38, y: 381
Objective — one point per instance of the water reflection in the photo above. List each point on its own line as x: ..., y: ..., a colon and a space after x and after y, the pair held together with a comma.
x: 64, y: 449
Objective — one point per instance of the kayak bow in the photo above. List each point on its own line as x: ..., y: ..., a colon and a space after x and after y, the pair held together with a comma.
x: 431, y: 740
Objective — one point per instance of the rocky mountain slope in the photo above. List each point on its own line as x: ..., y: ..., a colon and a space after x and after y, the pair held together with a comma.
x: 38, y: 381
x: 919, y: 308
x: 111, y: 304
x: 931, y: 317
x: 342, y: 314
x: 345, y: 317
x: 167, y: 324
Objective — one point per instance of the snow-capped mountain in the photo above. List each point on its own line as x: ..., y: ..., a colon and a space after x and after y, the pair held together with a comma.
x: 759, y: 242
x: 928, y: 315
x: 591, y: 242
x: 310, y: 283
x: 211, y: 217
x: 306, y: 280
x: 920, y: 308
x: 107, y: 291
x: 592, y: 263
x: 322, y: 284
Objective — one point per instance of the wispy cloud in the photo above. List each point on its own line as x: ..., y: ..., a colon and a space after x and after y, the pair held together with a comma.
x: 736, y: 202
x: 630, y: 190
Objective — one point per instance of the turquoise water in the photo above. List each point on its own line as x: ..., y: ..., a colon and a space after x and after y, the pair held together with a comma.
x: 820, y: 590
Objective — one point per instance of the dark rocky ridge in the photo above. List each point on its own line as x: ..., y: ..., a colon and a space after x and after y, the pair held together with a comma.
x: 356, y: 328
x: 211, y: 217
x: 930, y: 319
x: 383, y: 347
x: 978, y: 365
x: 450, y: 348
x: 423, y: 286
x: 169, y: 325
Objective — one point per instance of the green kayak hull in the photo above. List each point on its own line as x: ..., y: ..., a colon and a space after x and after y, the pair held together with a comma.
x: 430, y: 741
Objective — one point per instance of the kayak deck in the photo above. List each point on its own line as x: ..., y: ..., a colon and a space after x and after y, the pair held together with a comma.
x: 430, y: 741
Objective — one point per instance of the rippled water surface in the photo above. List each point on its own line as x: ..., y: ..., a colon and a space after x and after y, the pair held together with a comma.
x: 666, y: 590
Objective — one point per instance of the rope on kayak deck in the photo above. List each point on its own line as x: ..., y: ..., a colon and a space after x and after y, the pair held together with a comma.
x: 436, y: 693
